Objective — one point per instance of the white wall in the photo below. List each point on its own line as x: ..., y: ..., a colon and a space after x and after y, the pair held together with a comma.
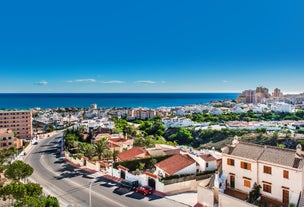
x: 228, y: 201
x: 205, y: 196
x: 240, y: 172
x: 191, y: 169
x: 185, y: 186
x: 211, y: 166
x: 294, y: 182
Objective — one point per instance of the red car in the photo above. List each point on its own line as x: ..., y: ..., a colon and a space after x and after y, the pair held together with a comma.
x: 146, y: 190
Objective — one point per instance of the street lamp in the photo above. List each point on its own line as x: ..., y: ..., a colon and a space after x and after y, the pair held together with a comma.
x: 91, y: 183
x: 90, y: 188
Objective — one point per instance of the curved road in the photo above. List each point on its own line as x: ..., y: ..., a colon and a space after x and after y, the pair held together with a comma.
x: 71, y: 187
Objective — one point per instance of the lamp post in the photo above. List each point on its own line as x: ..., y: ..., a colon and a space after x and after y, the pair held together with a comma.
x: 90, y: 189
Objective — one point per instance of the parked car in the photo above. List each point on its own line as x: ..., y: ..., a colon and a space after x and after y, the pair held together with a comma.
x: 130, y: 184
x: 146, y: 190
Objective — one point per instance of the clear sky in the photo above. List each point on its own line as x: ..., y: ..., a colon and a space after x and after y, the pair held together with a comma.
x: 151, y: 46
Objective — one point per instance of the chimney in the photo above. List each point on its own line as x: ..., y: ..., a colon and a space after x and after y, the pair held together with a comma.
x: 299, y: 151
x: 235, y: 141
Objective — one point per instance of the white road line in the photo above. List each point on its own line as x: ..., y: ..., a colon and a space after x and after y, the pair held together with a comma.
x: 46, y: 166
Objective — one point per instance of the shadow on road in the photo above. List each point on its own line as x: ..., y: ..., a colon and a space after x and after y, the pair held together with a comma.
x: 121, y: 191
x: 135, y: 195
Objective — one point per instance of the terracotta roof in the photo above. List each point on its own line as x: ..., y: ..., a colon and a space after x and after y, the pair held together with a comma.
x: 175, y: 163
x: 133, y: 153
x: 122, y: 168
x: 121, y: 140
x: 151, y: 174
x: 208, y: 157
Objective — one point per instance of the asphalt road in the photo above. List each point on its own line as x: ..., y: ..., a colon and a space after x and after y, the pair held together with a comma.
x: 71, y: 186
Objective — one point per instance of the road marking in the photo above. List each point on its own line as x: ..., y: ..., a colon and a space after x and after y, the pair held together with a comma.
x: 47, y: 167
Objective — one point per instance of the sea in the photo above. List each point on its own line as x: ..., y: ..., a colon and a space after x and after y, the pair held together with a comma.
x: 107, y: 100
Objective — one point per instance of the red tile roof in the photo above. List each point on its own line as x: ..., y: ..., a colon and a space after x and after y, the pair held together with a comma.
x: 208, y: 157
x: 122, y: 168
x: 151, y: 174
x: 175, y: 163
x: 133, y: 153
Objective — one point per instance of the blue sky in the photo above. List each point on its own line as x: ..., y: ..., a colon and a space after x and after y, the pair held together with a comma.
x: 151, y: 46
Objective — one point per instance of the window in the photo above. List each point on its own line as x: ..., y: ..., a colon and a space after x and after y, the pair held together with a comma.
x: 285, y: 174
x: 230, y: 161
x: 207, y: 164
x: 246, y: 165
x: 247, y: 183
x: 267, y: 187
x: 267, y: 169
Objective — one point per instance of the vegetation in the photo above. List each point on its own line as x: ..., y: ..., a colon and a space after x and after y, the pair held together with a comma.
x: 29, y: 194
x: 248, y: 116
x: 18, y: 170
x: 20, y: 194
x: 76, y: 145
x: 141, y: 164
x: 254, y: 194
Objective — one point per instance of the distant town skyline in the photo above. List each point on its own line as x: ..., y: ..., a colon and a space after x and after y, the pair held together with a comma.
x: 172, y: 46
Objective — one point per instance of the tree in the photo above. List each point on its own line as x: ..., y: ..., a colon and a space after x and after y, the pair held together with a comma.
x: 101, y: 146
x: 254, y: 193
x: 18, y: 170
x: 182, y: 136
x: 87, y: 149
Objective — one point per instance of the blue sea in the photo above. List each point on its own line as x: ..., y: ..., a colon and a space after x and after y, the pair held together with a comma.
x: 107, y: 100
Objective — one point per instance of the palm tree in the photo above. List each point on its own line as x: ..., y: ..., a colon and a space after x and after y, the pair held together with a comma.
x: 87, y: 149
x: 101, y: 146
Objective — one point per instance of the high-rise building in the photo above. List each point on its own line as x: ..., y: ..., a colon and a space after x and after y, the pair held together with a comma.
x: 253, y: 96
x: 247, y: 96
x: 261, y: 94
x: 20, y: 122
x: 277, y: 93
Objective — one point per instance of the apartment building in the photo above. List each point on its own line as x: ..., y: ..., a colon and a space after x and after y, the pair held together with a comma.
x: 19, y: 122
x: 7, y: 139
x: 141, y: 113
x: 278, y: 171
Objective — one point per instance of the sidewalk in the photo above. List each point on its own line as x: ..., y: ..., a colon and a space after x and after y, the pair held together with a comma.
x: 189, y: 198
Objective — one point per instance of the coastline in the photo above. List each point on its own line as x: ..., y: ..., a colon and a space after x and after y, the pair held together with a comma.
x: 108, y: 100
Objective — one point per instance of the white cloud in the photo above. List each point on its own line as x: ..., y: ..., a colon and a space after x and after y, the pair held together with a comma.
x: 89, y: 80
x: 41, y: 83
x: 113, y: 82
x: 145, y: 82
x: 225, y: 81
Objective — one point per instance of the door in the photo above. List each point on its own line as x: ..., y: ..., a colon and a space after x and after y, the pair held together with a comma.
x: 232, y: 181
x: 122, y: 174
x: 151, y: 183
x: 285, y: 196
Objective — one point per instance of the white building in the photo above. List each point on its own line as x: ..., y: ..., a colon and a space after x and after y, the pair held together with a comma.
x: 175, y: 165
x: 281, y: 107
x: 278, y: 171
x: 178, y: 122
x: 215, y: 111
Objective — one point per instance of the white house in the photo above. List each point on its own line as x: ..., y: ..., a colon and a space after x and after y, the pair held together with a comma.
x: 278, y: 171
x: 178, y: 122
x: 282, y: 107
x: 206, y: 161
x: 176, y: 165
x: 215, y: 111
